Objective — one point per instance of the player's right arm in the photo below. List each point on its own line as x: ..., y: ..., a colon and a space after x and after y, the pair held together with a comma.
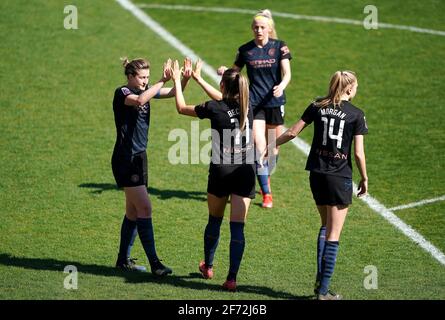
x: 212, y: 92
x: 181, y: 106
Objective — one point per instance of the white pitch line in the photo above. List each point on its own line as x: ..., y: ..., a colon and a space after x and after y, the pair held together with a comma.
x: 416, y: 204
x: 299, y: 143
x: 290, y: 16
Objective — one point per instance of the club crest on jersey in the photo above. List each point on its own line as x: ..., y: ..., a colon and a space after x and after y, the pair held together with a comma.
x: 126, y: 91
x: 271, y: 52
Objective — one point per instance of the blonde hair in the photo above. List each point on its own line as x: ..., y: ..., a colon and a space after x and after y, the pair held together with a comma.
x: 340, y: 82
x: 266, y: 15
x: 236, y: 89
x: 132, y: 67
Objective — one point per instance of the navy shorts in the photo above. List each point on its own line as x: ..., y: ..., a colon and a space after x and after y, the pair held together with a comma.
x: 226, y: 179
x: 272, y: 115
x: 330, y: 190
x: 130, y: 171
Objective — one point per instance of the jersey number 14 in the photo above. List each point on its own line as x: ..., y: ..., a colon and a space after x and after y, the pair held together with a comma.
x: 338, y: 136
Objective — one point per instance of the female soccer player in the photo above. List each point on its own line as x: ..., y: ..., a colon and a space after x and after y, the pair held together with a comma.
x: 131, y: 106
x: 336, y: 124
x: 267, y: 61
x: 232, y: 168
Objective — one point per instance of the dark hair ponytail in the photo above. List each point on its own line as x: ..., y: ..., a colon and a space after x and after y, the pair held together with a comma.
x: 236, y: 89
x: 132, y: 67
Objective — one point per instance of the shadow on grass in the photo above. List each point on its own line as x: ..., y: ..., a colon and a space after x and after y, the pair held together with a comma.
x: 138, y: 277
x: 98, y: 188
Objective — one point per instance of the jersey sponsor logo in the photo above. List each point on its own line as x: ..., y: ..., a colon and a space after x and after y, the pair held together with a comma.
x: 271, y: 52
x: 262, y: 63
x: 284, y: 50
x: 330, y: 154
x: 125, y: 91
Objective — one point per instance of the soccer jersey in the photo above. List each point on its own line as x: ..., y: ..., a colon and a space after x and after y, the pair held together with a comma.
x: 229, y: 144
x: 264, y: 70
x: 334, y: 130
x: 131, y: 122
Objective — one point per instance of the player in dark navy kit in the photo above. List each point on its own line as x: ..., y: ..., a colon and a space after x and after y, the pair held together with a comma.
x: 267, y: 61
x: 131, y: 106
x: 336, y: 124
x: 232, y: 167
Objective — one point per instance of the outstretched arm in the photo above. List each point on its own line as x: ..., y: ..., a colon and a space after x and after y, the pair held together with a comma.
x: 360, y: 160
x: 212, y: 92
x: 290, y: 134
x: 181, y: 106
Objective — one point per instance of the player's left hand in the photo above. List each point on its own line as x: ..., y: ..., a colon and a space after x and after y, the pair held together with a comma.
x: 278, y: 91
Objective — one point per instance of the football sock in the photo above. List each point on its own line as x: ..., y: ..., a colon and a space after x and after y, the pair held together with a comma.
x: 211, y: 238
x: 321, y: 240
x: 263, y: 177
x: 145, y: 231
x: 133, y: 238
x: 328, y: 264
x: 128, y: 230
x: 237, y: 243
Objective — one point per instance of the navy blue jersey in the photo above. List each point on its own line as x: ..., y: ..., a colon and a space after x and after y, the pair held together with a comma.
x: 334, y: 130
x: 263, y: 70
x: 229, y: 144
x: 131, y: 122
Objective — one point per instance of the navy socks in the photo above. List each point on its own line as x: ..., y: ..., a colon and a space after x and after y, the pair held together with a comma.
x: 321, y: 240
x: 237, y: 243
x: 145, y: 231
x: 328, y: 264
x: 128, y: 233
x: 211, y: 238
x: 263, y: 177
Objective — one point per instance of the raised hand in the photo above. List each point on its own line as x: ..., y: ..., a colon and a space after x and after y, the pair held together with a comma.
x: 197, y: 72
x: 175, y: 71
x: 187, y: 68
x: 166, y: 73
x: 221, y: 70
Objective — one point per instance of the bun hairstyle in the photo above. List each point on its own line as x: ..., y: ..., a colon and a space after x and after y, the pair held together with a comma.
x: 132, y: 67
x: 236, y: 90
x: 341, y: 82
x: 266, y: 15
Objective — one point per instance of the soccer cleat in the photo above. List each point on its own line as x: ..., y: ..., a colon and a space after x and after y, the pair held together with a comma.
x: 229, y: 285
x: 130, y: 265
x: 158, y: 269
x: 207, y: 273
x: 267, y: 200
x: 330, y: 295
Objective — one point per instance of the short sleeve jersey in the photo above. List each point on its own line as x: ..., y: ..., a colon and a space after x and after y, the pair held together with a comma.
x: 334, y: 130
x: 263, y: 70
x: 132, y: 123
x: 229, y: 144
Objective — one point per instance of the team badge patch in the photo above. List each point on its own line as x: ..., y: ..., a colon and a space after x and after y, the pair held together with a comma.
x: 126, y: 91
x: 134, y: 178
x: 271, y: 52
